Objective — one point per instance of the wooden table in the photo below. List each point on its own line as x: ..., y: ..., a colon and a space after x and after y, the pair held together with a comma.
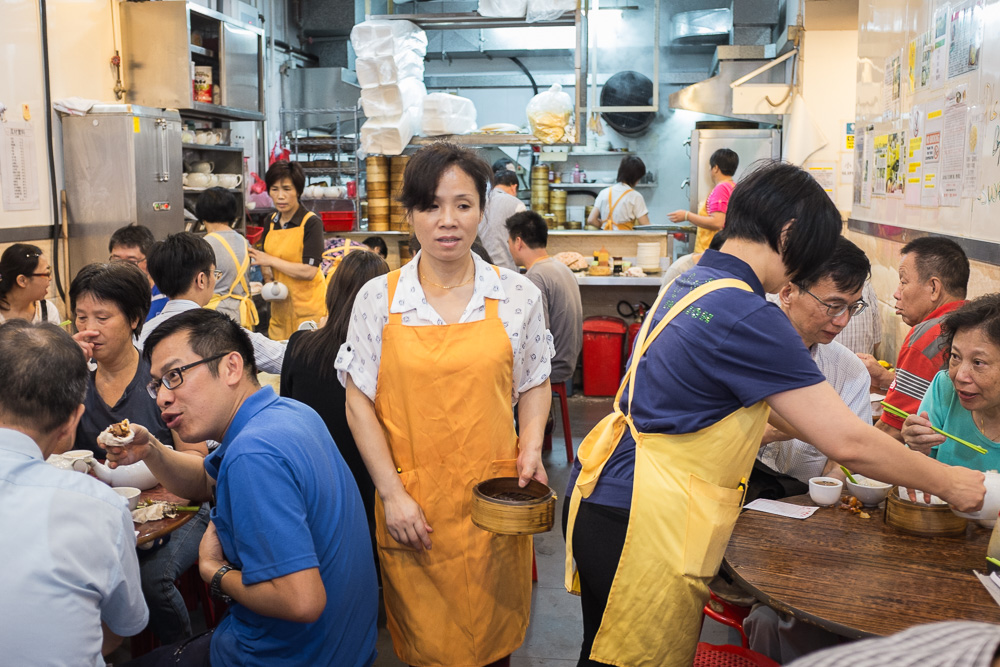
x: 859, y: 577
x: 152, y: 530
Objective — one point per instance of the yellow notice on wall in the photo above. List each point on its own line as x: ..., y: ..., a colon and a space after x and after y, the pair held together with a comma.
x: 135, y: 124
x: 914, y: 148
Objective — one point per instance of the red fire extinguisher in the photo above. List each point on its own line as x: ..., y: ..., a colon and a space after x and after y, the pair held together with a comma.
x: 636, y: 311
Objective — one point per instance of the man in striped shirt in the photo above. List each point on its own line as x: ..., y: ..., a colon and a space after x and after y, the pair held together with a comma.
x: 933, y: 277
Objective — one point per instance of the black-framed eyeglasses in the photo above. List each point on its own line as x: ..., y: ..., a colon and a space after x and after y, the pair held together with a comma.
x: 130, y: 260
x: 837, y: 309
x: 175, y: 376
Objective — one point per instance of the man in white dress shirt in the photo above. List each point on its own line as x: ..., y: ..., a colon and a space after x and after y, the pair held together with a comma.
x: 818, y: 311
x: 70, y: 588
x: 184, y: 268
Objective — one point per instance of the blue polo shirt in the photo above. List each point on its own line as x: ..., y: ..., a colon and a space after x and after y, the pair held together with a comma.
x: 729, y: 350
x: 287, y: 502
x: 156, y: 302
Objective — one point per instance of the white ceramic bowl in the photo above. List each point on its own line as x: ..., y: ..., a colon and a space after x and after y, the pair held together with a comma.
x: 987, y: 516
x: 870, y: 496
x: 825, y: 491
x: 130, y: 494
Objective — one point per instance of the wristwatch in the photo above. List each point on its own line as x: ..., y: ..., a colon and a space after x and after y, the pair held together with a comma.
x: 215, y: 588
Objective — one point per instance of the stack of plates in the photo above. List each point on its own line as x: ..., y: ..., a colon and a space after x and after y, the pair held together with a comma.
x: 540, y: 188
x: 647, y: 256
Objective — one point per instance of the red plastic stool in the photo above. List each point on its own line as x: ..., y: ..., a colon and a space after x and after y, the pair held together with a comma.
x: 710, y: 655
x: 560, y: 388
x: 726, y: 613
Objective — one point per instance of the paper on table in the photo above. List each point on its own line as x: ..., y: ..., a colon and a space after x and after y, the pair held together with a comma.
x: 781, y: 509
x: 989, y: 582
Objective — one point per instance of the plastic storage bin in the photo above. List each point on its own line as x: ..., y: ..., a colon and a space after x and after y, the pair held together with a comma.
x: 603, y: 340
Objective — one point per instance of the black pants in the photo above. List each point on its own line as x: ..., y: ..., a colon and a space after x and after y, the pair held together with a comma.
x: 772, y: 485
x: 193, y: 652
x: 598, y: 540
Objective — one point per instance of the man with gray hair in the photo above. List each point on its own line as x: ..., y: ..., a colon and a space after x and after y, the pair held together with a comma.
x: 71, y: 588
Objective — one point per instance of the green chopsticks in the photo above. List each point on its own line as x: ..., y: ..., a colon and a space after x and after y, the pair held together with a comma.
x: 893, y: 410
x: 848, y: 474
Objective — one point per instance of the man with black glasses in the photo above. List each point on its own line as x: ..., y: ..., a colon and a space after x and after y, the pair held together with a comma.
x: 288, y: 542
x: 818, y: 311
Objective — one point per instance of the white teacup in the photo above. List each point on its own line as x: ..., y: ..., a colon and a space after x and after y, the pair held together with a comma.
x: 197, y: 179
x: 825, y: 491
x: 312, y: 192
x: 60, y: 461
x: 333, y: 192
x: 188, y: 137
x: 207, y: 138
x: 213, y: 180
x: 203, y: 167
x: 130, y: 494
x: 230, y: 180
x: 80, y: 459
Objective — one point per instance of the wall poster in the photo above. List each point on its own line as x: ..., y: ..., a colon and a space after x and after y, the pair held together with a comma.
x: 914, y: 157
x: 973, y: 133
x: 953, y: 146
x: 939, y: 61
x: 18, y: 173
x: 966, y: 37
x: 933, y: 122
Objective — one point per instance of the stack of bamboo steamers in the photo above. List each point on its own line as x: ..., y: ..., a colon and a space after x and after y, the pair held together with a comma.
x: 384, y: 185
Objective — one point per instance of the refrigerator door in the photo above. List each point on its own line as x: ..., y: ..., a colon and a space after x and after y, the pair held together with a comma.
x: 750, y: 145
x: 158, y: 174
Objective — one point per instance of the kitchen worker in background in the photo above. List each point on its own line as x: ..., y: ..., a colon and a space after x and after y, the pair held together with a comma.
x: 933, y: 279
x: 132, y: 244
x: 620, y: 206
x: 436, y: 356
x: 677, y: 452
x: 724, y: 163
x: 377, y: 245
x: 506, y: 181
x: 217, y: 208
x: 493, y: 229
x: 293, y: 250
x: 504, y: 164
x: 25, y: 276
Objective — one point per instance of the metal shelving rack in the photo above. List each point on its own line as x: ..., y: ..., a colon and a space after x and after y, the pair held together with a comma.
x: 473, y: 21
x: 338, y: 149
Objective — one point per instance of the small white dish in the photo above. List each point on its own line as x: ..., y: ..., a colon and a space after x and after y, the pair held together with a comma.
x: 825, y: 491
x: 130, y: 494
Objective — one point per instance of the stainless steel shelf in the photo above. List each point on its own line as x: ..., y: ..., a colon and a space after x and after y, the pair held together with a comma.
x: 660, y: 233
x: 592, y: 186
x: 484, y: 140
x: 617, y: 281
x: 202, y: 51
x: 217, y: 111
x: 464, y: 20
x: 215, y: 147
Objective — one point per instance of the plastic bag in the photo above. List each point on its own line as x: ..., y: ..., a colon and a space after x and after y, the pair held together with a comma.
x: 387, y: 70
x: 390, y: 135
x: 548, y: 10
x: 394, y: 99
x: 503, y: 8
x: 549, y: 114
x: 385, y: 38
x: 448, y: 114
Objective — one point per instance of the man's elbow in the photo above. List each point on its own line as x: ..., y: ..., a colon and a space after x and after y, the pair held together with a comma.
x: 308, y: 608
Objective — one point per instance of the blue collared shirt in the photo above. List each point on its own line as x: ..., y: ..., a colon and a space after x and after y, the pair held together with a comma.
x: 287, y: 502
x: 729, y: 350
x: 69, y: 561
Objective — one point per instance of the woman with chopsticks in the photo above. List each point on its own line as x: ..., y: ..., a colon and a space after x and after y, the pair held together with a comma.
x: 659, y: 483
x: 437, y: 354
x: 964, y: 400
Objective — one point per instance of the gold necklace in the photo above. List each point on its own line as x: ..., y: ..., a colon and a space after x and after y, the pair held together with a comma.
x: 424, y: 279
x: 981, y: 426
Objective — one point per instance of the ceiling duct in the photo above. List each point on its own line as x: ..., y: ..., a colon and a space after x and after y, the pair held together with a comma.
x: 702, y: 26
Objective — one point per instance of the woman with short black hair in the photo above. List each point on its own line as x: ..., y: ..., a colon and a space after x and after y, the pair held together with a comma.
x: 293, y: 250
x: 108, y: 303
x: 659, y: 483
x: 25, y: 275
x: 217, y: 209
x: 621, y: 206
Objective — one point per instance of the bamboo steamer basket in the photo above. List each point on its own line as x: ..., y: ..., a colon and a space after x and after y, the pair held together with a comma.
x: 923, y: 520
x: 377, y: 190
x: 500, y: 506
x: 375, y: 226
x: 377, y: 168
x: 558, y: 195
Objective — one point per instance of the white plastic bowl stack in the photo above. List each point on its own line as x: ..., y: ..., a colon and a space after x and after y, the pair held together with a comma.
x: 390, y: 71
x: 647, y: 256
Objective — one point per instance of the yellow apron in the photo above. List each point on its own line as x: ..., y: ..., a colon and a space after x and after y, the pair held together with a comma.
x: 609, y: 222
x: 248, y: 311
x: 687, y: 494
x: 704, y: 236
x: 443, y: 399
x: 306, y: 298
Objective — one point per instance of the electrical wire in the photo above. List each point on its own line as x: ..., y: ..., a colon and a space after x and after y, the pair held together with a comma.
x: 47, y: 101
x: 534, y: 86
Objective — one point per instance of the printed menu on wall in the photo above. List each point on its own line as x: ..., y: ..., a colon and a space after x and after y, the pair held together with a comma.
x: 18, y: 174
x: 965, y: 33
x: 953, y: 146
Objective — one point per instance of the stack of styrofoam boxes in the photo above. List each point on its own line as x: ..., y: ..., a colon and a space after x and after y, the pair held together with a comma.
x: 390, y: 68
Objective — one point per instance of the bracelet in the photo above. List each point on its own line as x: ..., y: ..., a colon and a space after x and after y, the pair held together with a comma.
x: 685, y: 216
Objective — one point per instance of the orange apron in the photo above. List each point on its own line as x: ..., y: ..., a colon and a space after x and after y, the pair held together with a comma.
x: 609, y: 223
x: 443, y: 399
x: 704, y: 236
x: 306, y: 298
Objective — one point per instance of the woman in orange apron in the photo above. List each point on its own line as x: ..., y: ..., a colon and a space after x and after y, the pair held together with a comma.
x: 293, y: 250
x: 435, y: 356
x: 623, y: 198
x: 660, y: 481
